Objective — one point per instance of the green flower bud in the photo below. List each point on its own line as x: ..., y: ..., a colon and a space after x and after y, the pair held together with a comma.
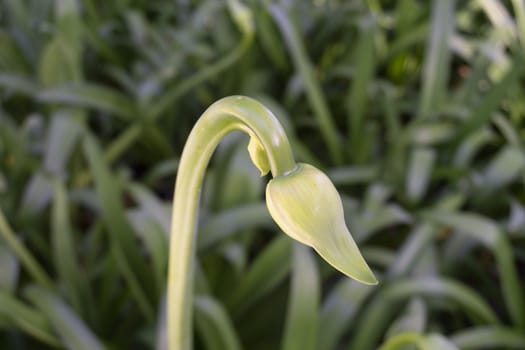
x: 307, y: 207
x: 258, y: 155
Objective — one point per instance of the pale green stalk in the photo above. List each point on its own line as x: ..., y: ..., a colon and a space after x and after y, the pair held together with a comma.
x: 226, y: 115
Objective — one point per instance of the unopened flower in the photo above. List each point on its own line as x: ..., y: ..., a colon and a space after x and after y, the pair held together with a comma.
x: 307, y: 207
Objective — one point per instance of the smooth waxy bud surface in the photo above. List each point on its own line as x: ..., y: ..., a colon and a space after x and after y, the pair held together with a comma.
x: 307, y: 207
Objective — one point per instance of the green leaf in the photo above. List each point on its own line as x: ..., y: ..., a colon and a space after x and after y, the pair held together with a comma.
x: 489, y: 337
x: 19, y: 84
x: 10, y: 269
x: 268, y: 36
x: 420, y: 169
x: 71, y: 329
x: 218, y: 227
x: 489, y: 234
x: 27, y: 319
x: 25, y: 257
x: 64, y: 253
x: 59, y: 64
x: 37, y: 194
x: 437, y: 57
x: 519, y: 9
x: 358, y: 97
x: 62, y: 137
x: 313, y: 91
x: 420, y: 237
x: 413, y: 319
x: 11, y: 57
x: 302, y: 320
x: 349, y: 175
x: 91, y: 96
x: 505, y: 167
x: 482, y: 114
x: 123, y: 245
x: 378, y: 315
x: 214, y: 325
x: 339, y: 309
x: 268, y: 270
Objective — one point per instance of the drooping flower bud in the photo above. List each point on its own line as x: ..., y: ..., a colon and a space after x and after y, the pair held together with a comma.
x: 307, y: 207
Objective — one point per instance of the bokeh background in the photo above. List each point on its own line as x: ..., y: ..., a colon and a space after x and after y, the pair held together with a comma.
x: 415, y: 109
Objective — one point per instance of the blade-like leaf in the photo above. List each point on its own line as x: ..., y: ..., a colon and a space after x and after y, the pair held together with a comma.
x: 92, y: 96
x: 123, y: 244
x: 27, y: 319
x: 214, y: 325
x: 72, y: 330
x: 302, y: 323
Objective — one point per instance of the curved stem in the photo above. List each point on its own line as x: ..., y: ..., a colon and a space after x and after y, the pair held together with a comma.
x: 224, y: 116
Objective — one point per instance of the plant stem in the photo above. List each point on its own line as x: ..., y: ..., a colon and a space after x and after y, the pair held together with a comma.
x: 224, y: 116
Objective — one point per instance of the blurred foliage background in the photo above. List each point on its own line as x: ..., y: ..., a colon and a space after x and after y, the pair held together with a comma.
x: 416, y: 109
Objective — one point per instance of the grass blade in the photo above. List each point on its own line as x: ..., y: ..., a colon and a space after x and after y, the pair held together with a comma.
x: 64, y: 255
x: 358, y: 97
x: 489, y: 337
x: 313, y: 91
x: 302, y: 323
x: 221, y: 226
x: 214, y: 325
x: 91, y: 96
x: 421, y: 164
x: 71, y: 329
x: 24, y: 255
x: 63, y: 135
x: 491, y: 101
x: 267, y: 271
x: 27, y: 319
x: 437, y: 58
x: 519, y: 10
x: 18, y: 83
x: 339, y: 309
x: 488, y: 233
x: 123, y: 245
x: 385, y: 306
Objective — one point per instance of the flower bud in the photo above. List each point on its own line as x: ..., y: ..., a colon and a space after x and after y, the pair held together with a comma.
x: 307, y: 207
x: 258, y: 155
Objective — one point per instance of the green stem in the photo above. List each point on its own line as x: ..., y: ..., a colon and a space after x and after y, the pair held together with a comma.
x: 229, y: 114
